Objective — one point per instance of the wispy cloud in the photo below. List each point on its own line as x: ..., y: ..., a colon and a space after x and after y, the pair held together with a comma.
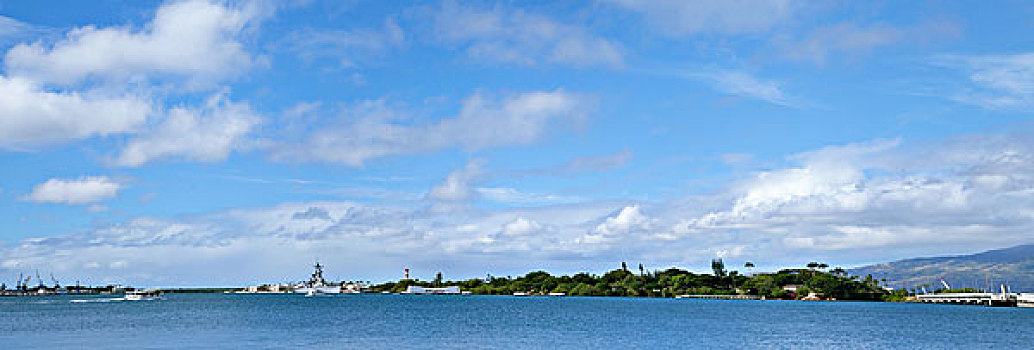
x: 852, y: 40
x: 680, y: 18
x: 348, y: 49
x: 376, y: 130
x: 514, y: 36
x: 741, y: 83
x: 993, y: 81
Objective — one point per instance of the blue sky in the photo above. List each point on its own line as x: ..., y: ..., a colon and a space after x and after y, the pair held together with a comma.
x: 223, y: 142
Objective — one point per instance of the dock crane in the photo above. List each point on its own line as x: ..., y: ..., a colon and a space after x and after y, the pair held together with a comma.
x: 18, y: 284
x: 946, y: 285
x: 39, y: 281
x: 56, y: 285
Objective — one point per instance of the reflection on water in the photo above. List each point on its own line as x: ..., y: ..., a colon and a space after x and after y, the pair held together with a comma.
x: 394, y: 321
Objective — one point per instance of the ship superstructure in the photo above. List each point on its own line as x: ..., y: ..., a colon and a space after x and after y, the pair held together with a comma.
x: 317, y: 284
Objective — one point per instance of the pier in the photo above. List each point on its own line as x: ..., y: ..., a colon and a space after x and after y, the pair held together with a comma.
x: 987, y: 299
x: 722, y: 297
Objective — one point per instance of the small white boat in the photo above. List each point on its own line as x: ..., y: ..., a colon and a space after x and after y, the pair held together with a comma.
x: 146, y: 294
x: 520, y: 294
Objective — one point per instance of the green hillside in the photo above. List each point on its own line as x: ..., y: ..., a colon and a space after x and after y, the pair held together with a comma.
x: 1013, y: 266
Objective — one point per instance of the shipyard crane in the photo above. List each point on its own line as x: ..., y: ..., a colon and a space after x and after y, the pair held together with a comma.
x: 56, y: 285
x: 39, y: 281
x: 18, y: 283
x: 946, y: 285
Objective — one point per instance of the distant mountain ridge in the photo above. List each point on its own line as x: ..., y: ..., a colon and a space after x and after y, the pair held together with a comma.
x: 1013, y: 266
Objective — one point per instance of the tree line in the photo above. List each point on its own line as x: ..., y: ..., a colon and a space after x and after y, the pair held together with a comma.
x: 816, y: 279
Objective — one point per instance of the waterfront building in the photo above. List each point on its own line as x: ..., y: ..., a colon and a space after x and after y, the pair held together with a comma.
x: 429, y: 290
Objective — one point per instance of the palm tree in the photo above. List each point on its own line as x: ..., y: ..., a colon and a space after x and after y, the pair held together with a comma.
x: 749, y: 266
x: 641, y: 273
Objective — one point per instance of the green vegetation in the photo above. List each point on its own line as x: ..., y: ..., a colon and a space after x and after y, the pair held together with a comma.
x: 958, y: 290
x: 785, y: 284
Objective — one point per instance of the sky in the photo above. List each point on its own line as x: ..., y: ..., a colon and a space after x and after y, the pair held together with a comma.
x: 205, y: 143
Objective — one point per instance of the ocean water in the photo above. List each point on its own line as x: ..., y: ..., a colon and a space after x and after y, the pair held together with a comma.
x: 206, y: 321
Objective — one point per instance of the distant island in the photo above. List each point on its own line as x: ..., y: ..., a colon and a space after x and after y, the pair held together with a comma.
x: 815, y: 282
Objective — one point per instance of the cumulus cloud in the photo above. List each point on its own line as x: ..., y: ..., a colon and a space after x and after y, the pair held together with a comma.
x: 206, y: 134
x: 520, y: 226
x: 193, y: 40
x: 115, y: 80
x: 457, y: 186
x: 515, y: 36
x: 628, y: 219
x: 859, y: 197
x: 32, y: 116
x: 84, y: 190
x: 372, y: 129
x: 844, y: 204
x: 680, y: 18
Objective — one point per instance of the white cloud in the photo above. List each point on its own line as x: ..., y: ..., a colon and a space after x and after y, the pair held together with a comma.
x: 206, y: 134
x: 628, y: 219
x: 457, y: 186
x: 598, y: 163
x: 513, y: 196
x: 374, y: 130
x: 32, y: 116
x: 740, y: 83
x: 849, y: 204
x: 194, y: 40
x: 680, y: 18
x: 521, y: 226
x: 994, y: 81
x: 515, y: 36
x: 84, y: 190
x: 12, y: 30
x: 841, y: 37
x: 348, y: 48
x: 854, y: 39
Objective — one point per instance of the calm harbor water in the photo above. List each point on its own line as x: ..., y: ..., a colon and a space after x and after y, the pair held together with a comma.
x: 398, y: 321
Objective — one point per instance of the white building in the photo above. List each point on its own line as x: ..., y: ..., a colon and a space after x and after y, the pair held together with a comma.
x: 427, y: 290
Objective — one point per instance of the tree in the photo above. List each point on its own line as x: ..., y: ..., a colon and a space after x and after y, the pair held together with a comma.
x: 641, y: 273
x: 624, y: 266
x: 823, y: 266
x: 438, y: 279
x: 812, y: 265
x: 718, y: 266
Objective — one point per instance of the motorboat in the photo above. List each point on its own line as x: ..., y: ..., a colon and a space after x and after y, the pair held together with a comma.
x: 145, y: 294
